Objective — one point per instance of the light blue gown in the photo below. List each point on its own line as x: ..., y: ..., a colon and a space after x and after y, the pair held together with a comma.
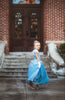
x: 36, y: 75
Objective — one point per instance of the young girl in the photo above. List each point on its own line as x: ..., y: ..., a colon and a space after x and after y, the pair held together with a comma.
x: 36, y: 72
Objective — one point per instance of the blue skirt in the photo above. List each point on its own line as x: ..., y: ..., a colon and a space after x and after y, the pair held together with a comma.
x: 36, y: 75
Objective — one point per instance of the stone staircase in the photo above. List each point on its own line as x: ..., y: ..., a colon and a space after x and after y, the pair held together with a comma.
x: 16, y: 65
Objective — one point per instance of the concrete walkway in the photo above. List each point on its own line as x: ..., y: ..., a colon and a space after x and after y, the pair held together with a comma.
x: 17, y: 90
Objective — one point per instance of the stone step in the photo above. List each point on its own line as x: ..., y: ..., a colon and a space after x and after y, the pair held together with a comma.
x: 21, y: 63
x: 22, y: 58
x: 52, y: 80
x: 13, y: 73
x: 23, y: 53
x: 19, y: 68
x: 22, y: 76
x: 20, y: 71
x: 22, y: 79
x: 26, y: 63
x: 16, y: 60
x: 7, y: 72
x: 13, y: 76
x: 26, y: 66
x: 26, y: 54
x: 16, y: 64
x: 17, y: 57
x: 61, y: 77
x: 13, y: 79
x: 14, y: 68
x: 19, y: 53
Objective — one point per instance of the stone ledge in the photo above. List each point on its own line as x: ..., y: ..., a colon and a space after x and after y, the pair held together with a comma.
x: 2, y: 46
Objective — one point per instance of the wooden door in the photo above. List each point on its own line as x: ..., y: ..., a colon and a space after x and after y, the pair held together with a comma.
x: 25, y: 28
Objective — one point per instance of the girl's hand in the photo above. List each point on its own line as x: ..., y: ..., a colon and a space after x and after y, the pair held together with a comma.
x: 39, y: 64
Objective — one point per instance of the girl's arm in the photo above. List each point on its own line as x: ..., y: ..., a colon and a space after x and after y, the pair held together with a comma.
x: 37, y: 56
x: 38, y: 60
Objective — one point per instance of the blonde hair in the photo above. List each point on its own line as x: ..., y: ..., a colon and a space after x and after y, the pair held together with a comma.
x: 36, y: 42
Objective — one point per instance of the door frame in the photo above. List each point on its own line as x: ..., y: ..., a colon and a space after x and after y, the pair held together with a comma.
x: 22, y: 6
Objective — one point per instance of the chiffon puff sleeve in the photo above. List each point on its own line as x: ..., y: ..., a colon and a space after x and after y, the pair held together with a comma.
x: 34, y: 51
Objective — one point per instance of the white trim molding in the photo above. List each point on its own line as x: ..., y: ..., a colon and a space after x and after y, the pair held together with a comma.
x: 55, y: 42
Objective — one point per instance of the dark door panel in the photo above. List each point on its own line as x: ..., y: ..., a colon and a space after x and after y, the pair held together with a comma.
x: 25, y: 28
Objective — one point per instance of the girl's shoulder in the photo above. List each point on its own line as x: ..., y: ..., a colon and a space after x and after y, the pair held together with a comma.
x: 35, y: 51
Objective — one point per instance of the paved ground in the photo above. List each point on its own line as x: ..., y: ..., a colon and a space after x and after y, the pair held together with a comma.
x: 16, y: 90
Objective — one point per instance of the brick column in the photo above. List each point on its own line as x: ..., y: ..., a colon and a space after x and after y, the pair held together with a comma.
x: 4, y: 22
x: 54, y: 21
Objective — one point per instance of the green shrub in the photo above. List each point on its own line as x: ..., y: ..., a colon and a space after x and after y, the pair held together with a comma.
x: 62, y: 48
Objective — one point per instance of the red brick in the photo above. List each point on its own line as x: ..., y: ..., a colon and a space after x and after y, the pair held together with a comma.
x: 54, y: 24
x: 4, y: 22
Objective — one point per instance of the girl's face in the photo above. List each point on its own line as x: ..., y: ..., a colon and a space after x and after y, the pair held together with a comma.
x: 37, y: 46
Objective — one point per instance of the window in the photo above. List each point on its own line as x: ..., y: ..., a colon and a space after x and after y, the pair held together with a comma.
x: 34, y: 25
x: 18, y: 25
x: 26, y: 1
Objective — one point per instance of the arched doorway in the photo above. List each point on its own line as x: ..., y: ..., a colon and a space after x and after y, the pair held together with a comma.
x: 25, y: 25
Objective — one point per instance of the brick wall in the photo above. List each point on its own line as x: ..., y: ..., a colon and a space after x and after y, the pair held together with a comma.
x: 4, y: 22
x: 54, y: 21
